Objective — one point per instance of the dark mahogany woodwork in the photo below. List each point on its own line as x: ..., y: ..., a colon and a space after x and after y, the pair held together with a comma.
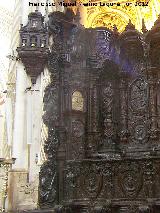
x: 103, y: 146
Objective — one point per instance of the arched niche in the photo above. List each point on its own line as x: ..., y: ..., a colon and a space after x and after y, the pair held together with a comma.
x: 77, y: 101
x: 33, y: 41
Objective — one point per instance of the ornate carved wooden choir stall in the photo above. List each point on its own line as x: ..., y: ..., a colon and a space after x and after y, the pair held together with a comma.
x: 102, y: 113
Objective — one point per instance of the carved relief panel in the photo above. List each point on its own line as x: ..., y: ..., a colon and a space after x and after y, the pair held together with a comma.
x: 119, y: 180
x: 138, y: 111
x: 77, y: 142
x: 109, y: 105
x: 107, y: 101
x: 138, y: 96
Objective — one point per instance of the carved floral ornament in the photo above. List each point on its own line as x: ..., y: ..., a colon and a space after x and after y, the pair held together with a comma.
x: 77, y: 128
x: 139, y: 95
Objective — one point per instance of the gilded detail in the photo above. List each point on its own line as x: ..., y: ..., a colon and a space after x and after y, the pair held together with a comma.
x: 109, y: 13
x: 77, y: 101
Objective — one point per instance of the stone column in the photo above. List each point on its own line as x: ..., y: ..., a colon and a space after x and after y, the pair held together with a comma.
x: 22, y: 189
x: 29, y: 116
x: 19, y: 143
x: 19, y: 173
x: 36, y: 103
x: 8, y: 108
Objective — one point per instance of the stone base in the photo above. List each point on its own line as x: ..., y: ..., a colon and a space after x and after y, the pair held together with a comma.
x: 22, y: 195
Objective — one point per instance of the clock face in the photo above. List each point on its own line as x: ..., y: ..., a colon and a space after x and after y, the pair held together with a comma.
x: 138, y: 95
